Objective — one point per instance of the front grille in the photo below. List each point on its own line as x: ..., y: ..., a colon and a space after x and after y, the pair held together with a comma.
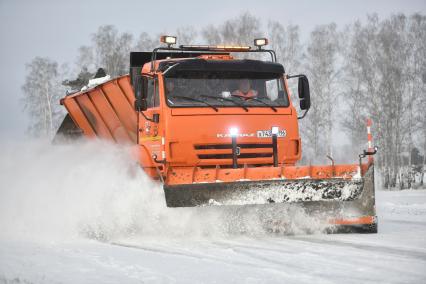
x: 229, y: 146
x: 252, y: 153
x: 240, y: 156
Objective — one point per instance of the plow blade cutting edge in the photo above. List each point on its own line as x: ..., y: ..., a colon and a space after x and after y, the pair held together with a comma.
x: 346, y: 203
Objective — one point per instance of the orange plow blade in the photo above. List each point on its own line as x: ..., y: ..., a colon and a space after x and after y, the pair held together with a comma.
x: 342, y: 196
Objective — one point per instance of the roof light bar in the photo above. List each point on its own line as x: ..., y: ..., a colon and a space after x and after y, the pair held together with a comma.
x: 217, y: 47
x: 169, y: 40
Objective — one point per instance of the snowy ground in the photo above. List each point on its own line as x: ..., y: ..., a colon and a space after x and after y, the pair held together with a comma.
x: 77, y: 222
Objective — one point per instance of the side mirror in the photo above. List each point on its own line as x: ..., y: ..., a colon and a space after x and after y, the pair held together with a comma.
x: 304, y: 93
x: 156, y: 117
x: 141, y: 104
x: 140, y: 87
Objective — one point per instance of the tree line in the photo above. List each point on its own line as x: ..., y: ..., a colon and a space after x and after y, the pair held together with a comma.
x: 369, y: 69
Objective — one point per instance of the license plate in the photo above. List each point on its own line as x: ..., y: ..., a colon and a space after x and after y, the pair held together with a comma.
x: 268, y: 133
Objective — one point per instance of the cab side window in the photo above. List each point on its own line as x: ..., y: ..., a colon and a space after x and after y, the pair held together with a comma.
x: 152, y: 98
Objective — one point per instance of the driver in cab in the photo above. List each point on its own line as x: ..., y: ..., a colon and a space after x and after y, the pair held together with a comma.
x: 170, y: 86
x: 244, y: 90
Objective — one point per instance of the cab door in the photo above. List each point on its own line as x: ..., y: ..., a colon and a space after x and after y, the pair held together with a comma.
x: 149, y: 135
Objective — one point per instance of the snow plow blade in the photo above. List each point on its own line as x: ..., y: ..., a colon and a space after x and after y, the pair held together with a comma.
x: 346, y: 203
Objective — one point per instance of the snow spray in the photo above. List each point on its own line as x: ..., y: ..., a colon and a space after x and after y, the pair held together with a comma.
x: 93, y: 189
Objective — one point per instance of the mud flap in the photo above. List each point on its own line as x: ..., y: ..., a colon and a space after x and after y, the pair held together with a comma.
x: 348, y: 229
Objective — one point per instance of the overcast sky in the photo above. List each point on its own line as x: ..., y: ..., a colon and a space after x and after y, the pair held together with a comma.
x: 57, y: 28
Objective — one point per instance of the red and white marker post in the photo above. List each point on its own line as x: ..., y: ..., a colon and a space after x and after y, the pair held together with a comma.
x: 370, y: 140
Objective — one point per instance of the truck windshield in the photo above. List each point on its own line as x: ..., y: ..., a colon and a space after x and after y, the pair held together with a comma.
x: 226, y: 90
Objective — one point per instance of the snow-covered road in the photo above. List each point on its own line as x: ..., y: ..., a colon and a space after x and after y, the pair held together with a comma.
x: 52, y: 234
x: 396, y: 255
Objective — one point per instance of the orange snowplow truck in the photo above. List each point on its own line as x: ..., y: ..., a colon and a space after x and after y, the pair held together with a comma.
x: 217, y: 130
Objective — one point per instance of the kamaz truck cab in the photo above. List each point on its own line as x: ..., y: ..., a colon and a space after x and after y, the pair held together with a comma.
x: 195, y: 96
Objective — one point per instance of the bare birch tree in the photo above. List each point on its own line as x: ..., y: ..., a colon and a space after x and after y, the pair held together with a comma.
x: 286, y: 43
x: 417, y: 36
x: 146, y: 42
x: 241, y: 30
x: 186, y: 35
x: 85, y: 58
x: 321, y: 65
x: 42, y: 91
x: 211, y: 35
x: 383, y: 73
x: 110, y: 50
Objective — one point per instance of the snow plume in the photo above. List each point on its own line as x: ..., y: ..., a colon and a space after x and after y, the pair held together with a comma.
x: 63, y: 189
x: 95, y: 190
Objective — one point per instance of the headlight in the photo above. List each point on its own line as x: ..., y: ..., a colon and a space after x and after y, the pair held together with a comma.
x: 168, y: 40
x: 233, y: 131
x: 260, y: 42
x: 275, y: 130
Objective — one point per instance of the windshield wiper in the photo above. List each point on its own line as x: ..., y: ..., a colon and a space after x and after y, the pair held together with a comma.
x: 257, y: 100
x: 195, y: 100
x: 225, y: 99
